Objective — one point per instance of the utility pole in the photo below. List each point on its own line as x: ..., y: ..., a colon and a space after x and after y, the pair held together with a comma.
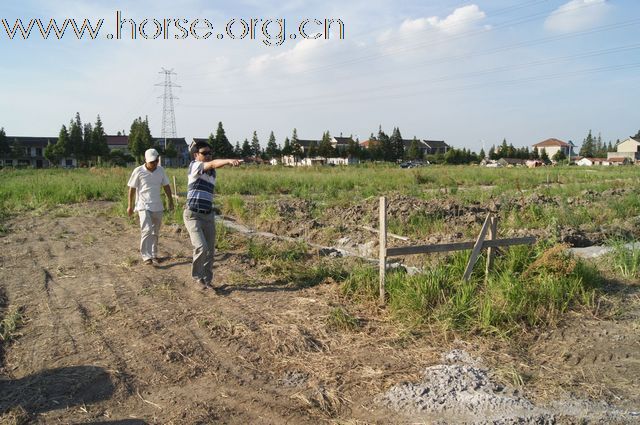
x: 168, y: 115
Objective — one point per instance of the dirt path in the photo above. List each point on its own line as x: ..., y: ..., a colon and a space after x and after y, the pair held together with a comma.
x: 109, y: 339
x: 164, y: 350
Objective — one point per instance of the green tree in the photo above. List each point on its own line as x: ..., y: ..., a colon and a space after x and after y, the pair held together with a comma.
x: 414, y: 149
x: 637, y: 135
x: 272, y: 147
x: 246, y: 151
x: 50, y: 153
x: 387, y: 149
x: 454, y: 156
x: 482, y: 155
x: 140, y: 138
x: 296, y: 149
x: 99, y: 148
x: 559, y: 156
x: 325, y: 149
x: 87, y: 141
x: 312, y: 150
x: 5, y: 147
x: 76, y: 141
x: 118, y: 158
x: 503, y: 150
x: 353, y: 150
x: 544, y: 157
x: 170, y: 151
x: 61, y: 149
x: 237, y: 151
x: 588, y: 146
x: 287, y: 149
x: 397, y: 144
x: 255, y: 144
x: 221, y: 147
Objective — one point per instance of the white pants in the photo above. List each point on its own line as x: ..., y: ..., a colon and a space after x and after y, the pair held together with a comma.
x: 150, y: 222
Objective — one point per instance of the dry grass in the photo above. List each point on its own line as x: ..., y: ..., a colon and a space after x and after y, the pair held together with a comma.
x: 290, y: 340
x: 555, y: 260
x: 327, y: 402
x: 15, y: 416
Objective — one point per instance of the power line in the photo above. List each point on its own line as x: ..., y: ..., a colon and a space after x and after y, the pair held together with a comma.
x: 330, y: 100
x: 454, y: 58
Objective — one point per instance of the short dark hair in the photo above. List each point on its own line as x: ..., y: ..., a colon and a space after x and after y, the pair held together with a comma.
x: 195, y: 147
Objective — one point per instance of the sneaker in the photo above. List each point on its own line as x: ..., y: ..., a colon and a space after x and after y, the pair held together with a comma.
x: 148, y: 262
x: 156, y: 261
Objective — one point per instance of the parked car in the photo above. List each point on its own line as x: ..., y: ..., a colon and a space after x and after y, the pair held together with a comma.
x: 413, y: 164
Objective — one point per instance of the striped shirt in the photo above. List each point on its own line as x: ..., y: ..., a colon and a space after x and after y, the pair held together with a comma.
x: 201, y: 186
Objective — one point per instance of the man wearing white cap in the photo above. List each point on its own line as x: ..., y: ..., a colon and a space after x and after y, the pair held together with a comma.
x: 144, y: 185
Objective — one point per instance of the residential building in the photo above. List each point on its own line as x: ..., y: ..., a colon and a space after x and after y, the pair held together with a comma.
x: 628, y: 148
x: 29, y: 152
x: 426, y: 147
x: 118, y: 142
x: 435, y: 147
x: 305, y: 145
x: 182, y: 158
x: 553, y: 146
x: 341, y: 143
x: 368, y: 144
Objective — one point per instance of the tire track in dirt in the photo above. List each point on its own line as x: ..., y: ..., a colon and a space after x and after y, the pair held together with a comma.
x: 208, y: 352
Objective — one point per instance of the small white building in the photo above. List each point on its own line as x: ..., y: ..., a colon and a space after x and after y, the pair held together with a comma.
x: 343, y: 161
x: 294, y: 161
x: 589, y: 162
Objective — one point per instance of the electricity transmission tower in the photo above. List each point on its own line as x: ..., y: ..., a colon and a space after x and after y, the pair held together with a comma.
x: 168, y: 115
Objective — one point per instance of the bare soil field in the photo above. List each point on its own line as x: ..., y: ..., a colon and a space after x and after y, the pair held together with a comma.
x: 107, y: 339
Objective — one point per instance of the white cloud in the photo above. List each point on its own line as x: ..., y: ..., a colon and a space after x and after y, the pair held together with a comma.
x: 576, y: 15
x: 304, y: 55
x: 462, y: 19
x: 432, y: 30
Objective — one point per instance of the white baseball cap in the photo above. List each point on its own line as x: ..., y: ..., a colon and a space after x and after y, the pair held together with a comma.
x: 151, y: 155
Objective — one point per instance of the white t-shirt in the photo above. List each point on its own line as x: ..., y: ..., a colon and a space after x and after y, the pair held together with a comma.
x: 148, y: 186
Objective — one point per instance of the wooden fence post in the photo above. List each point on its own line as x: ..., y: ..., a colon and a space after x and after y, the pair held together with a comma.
x: 175, y: 188
x: 493, y: 235
x: 383, y: 247
x: 477, y: 248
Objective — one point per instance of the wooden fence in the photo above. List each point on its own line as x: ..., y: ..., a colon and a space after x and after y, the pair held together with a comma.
x: 488, y: 238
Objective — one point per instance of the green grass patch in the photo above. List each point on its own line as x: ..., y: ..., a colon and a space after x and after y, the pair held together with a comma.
x: 340, y: 320
x: 624, y: 259
x: 530, y: 286
x: 10, y: 324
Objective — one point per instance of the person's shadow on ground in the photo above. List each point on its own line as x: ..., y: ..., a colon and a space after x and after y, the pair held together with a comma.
x: 57, y: 389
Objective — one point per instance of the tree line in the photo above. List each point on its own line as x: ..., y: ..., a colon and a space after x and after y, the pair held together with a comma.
x: 87, y: 143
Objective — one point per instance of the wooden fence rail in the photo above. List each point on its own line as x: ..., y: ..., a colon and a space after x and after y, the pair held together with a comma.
x: 489, y: 228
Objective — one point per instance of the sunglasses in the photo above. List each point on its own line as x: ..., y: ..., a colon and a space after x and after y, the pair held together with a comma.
x: 205, y: 153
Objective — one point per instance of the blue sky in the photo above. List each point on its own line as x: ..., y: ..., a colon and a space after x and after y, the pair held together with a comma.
x: 471, y: 73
